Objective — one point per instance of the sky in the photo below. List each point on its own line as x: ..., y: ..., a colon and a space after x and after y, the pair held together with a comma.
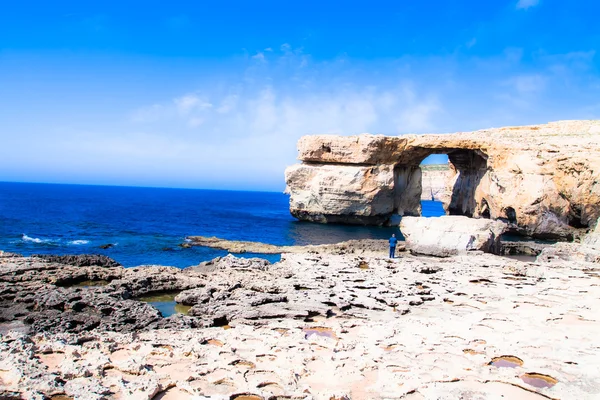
x: 207, y: 94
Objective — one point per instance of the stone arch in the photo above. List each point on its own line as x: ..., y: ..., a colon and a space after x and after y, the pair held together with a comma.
x: 467, y: 168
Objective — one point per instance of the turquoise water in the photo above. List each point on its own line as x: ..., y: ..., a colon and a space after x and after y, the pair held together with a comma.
x: 147, y: 225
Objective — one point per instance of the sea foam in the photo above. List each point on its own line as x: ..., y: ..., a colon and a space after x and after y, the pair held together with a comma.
x: 79, y: 242
x: 26, y: 238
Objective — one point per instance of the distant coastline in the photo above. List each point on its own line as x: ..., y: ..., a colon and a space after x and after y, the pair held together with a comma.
x: 434, y: 181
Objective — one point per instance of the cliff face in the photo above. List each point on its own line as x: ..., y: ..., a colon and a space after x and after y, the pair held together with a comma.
x: 544, y: 180
x: 433, y: 182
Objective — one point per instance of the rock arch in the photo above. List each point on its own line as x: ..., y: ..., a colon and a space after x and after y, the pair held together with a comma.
x: 544, y: 180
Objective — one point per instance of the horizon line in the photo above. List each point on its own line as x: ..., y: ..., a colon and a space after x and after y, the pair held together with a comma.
x: 138, y: 187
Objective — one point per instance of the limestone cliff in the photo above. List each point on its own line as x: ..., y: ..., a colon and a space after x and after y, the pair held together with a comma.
x: 544, y: 180
x: 434, y: 178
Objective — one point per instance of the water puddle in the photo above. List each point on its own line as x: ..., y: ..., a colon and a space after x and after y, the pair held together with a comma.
x: 166, y: 304
x: 539, y: 380
x: 319, y: 331
x: 506, y: 362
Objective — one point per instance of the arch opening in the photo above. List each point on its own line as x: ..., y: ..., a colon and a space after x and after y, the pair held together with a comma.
x: 457, y: 191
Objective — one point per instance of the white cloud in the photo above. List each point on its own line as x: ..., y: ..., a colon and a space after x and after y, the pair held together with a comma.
x: 228, y: 104
x: 259, y: 57
x: 240, y: 130
x: 346, y: 109
x: 419, y: 117
x: 195, y: 122
x: 528, y: 83
x: 525, y: 4
x: 189, y: 103
x: 251, y: 132
x: 151, y: 113
x: 513, y: 54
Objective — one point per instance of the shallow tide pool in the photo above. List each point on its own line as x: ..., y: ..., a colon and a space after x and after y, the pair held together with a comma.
x: 165, y: 303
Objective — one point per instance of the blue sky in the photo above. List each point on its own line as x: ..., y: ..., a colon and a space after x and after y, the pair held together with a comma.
x: 215, y: 94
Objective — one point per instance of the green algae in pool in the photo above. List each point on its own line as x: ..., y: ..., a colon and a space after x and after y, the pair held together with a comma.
x: 165, y: 303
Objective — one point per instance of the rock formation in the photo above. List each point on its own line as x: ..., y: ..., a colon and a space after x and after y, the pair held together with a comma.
x: 451, y: 235
x: 542, y: 179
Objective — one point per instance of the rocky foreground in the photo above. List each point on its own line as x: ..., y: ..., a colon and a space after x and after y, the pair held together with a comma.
x: 326, y: 324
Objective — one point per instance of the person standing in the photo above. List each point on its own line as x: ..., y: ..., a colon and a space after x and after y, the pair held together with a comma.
x: 393, y: 242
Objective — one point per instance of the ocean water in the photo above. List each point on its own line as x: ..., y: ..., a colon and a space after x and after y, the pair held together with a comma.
x: 147, y: 225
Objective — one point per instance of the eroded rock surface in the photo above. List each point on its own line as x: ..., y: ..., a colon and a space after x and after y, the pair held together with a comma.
x: 42, y: 295
x: 542, y: 179
x: 321, y: 326
x: 358, y: 247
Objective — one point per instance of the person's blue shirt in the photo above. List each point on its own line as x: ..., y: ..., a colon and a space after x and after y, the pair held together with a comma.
x: 393, y: 242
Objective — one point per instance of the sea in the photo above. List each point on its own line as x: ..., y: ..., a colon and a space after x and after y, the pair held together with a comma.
x: 147, y: 226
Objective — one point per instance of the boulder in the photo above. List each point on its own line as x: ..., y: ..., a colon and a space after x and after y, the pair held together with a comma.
x: 451, y: 235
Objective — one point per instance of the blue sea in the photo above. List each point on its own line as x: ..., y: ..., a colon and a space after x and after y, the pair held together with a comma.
x: 147, y: 225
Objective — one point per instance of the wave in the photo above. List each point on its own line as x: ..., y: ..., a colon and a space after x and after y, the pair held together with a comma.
x: 79, y: 242
x: 26, y: 238
x: 30, y: 239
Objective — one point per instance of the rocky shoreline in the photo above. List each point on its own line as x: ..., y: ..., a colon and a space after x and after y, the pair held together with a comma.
x: 336, y: 321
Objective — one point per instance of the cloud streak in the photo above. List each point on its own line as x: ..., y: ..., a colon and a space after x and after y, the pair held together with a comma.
x: 526, y: 4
